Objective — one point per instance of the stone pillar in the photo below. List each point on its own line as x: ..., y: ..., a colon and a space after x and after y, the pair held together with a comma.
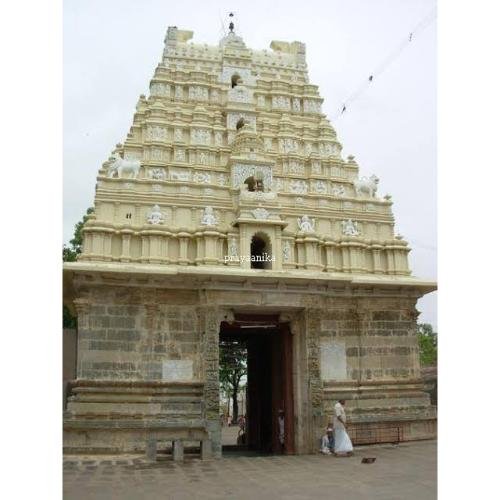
x: 313, y: 330
x: 211, y: 257
x: 183, y: 248
x: 311, y: 249
x: 107, y: 245
x: 125, y: 256
x: 346, y: 257
x: 206, y: 449
x: 151, y: 449
x: 377, y: 262
x: 82, y: 306
x: 200, y: 251
x: 178, y: 450
x: 154, y: 249
x: 209, y: 324
x: 362, y: 319
x: 390, y: 260
x: 145, y: 248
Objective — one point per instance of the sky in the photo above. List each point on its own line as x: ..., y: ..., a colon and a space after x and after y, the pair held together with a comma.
x: 111, y: 49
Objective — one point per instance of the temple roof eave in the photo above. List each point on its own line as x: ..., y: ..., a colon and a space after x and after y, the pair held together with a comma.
x: 220, y: 274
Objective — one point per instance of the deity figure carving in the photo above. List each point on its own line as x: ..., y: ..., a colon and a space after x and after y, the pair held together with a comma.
x: 180, y: 175
x: 281, y: 102
x: 261, y: 213
x: 202, y: 177
x: 327, y: 149
x: 158, y: 174
x: 287, y: 251
x: 320, y: 187
x: 338, y: 190
x: 306, y: 224
x: 316, y: 167
x: 295, y: 167
x: 156, y: 133
x: 160, y: 89
x: 198, y: 93
x: 288, y: 145
x: 233, y: 248
x: 298, y: 186
x: 204, y: 158
x: 311, y: 106
x: 221, y: 180
x: 200, y: 136
x: 208, y: 217
x: 155, y: 216
x: 180, y: 155
x: 350, y: 228
x: 178, y: 135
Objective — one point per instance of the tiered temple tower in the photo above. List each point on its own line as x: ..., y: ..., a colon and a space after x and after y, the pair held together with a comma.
x: 230, y: 195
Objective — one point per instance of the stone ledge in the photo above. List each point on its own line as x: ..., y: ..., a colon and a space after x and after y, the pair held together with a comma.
x: 194, y: 425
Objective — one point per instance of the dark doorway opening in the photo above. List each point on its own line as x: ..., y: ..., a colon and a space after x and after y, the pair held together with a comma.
x: 260, y: 252
x: 269, y: 418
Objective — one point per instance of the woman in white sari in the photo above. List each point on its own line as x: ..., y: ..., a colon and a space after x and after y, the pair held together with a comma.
x: 343, y: 445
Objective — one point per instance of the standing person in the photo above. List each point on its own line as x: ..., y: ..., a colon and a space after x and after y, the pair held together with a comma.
x: 281, y: 426
x: 343, y: 445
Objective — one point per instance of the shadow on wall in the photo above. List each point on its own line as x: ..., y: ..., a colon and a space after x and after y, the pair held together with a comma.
x: 69, y: 361
x: 429, y: 376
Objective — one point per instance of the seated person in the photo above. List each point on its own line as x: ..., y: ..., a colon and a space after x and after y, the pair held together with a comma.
x: 328, y: 441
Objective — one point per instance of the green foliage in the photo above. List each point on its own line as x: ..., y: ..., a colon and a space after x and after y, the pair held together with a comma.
x: 69, y: 321
x: 70, y: 253
x: 232, y: 368
x: 427, y: 341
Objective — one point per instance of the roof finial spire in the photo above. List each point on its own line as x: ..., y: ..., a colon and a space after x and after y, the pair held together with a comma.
x: 231, y: 24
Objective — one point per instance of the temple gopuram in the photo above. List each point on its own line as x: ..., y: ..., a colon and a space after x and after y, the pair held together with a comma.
x: 230, y: 212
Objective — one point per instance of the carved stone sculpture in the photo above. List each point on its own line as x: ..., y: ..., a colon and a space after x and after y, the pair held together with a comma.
x: 350, y: 228
x: 233, y: 248
x: 366, y: 185
x: 202, y: 177
x: 306, y: 224
x: 158, y: 174
x: 208, y: 217
x: 298, y: 186
x: 119, y: 167
x: 155, y: 216
x: 260, y: 213
x: 287, y: 251
x: 338, y: 190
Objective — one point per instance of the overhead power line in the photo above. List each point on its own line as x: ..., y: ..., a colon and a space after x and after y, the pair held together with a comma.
x: 386, y: 62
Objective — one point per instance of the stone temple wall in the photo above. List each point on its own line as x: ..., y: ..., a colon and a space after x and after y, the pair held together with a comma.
x: 127, y: 338
x: 148, y: 363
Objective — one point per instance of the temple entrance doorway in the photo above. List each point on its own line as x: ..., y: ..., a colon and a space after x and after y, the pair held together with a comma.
x: 258, y: 418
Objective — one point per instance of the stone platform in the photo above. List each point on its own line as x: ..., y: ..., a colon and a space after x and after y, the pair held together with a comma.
x: 404, y: 471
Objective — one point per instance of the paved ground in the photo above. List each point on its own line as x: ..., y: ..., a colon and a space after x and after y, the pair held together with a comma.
x: 404, y: 472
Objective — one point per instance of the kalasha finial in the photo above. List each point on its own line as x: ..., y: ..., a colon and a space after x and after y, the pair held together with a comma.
x: 231, y: 24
